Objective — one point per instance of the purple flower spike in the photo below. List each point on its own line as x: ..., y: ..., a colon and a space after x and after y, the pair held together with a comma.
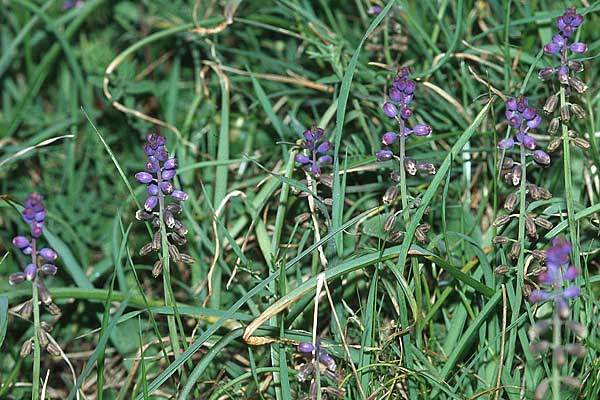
x: 150, y: 203
x: 179, y: 195
x: 304, y: 347
x: 390, y: 110
x: 558, y: 253
x: 143, y: 177
x: 20, y: 242
x: 48, y: 254
x: 30, y: 272
x: 315, y: 151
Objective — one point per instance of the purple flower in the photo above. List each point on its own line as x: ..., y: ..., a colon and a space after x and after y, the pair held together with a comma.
x: 316, y: 149
x: 390, y: 110
x: 569, y: 21
x: 523, y: 118
x: 558, y: 272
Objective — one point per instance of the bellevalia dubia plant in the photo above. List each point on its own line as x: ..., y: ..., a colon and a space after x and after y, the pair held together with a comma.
x: 41, y: 265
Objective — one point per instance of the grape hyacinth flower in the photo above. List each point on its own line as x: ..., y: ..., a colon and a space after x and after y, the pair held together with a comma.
x: 321, y: 360
x: 162, y: 204
x: 557, y: 286
x: 570, y: 85
x: 315, y: 155
x: 401, y: 95
x: 41, y: 265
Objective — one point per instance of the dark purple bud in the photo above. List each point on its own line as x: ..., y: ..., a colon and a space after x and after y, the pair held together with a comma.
x: 27, y: 250
x: 406, y: 113
x: 541, y: 157
x: 143, y: 177
x: 304, y: 347
x: 179, y: 195
x: 28, y: 215
x: 302, y: 158
x: 551, y: 48
x: 559, y: 40
x: 578, y: 47
x: 410, y: 87
x: 40, y: 216
x: 506, y: 144
x: 30, y: 271
x: 153, y: 189
x: 325, y: 160
x: 390, y: 110
x: 571, y: 273
x: 16, y: 278
x: 537, y: 296
x: 160, y: 140
x: 546, y: 73
x: 511, y: 104
x: 395, y: 94
x: 171, y: 163
x: 309, y: 136
x: 315, y: 170
x: 150, y: 203
x: 421, y: 130
x: 20, y: 242
x: 323, y: 147
x: 571, y: 292
x: 384, y: 155
x: 389, y: 138
x: 48, y: 254
x: 37, y: 230
x: 529, y: 113
x: 563, y: 74
x: 161, y: 154
x: 152, y: 165
x: 328, y: 361
x: 49, y: 269
x: 148, y: 150
x: 166, y: 187
x: 528, y: 142
x: 168, y: 174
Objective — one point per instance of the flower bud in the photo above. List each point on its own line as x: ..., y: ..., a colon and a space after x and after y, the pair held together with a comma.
x: 422, y: 130
x: 530, y: 227
x: 544, y: 193
x: 551, y: 103
x: 171, y: 163
x: 49, y: 269
x: 546, y: 73
x: 157, y: 268
x: 186, y: 258
x: 426, y: 167
x: 541, y: 158
x: 168, y: 174
x: 390, y: 110
x: 539, y: 347
x: 389, y: 223
x: 578, y: 329
x: 30, y: 272
x: 575, y: 65
x: 559, y: 356
x: 26, y: 348
x: 501, y: 220
x: 571, y: 381
x: 410, y: 166
x: 582, y: 143
x: 16, y: 278
x: 396, y: 236
x: 576, y: 350
x: 553, y: 126
x: 539, y: 255
x: 511, y: 202
x: 304, y: 347
x: 390, y: 195
x: 389, y: 138
x: 384, y: 155
x: 540, y: 391
x: 516, y: 175
x: 578, y: 111
x: 173, y: 252
x: 156, y: 241
x: 20, y: 242
x: 543, y: 223
x: 538, y: 329
x: 514, y: 251
x: 565, y: 115
x: 578, y: 47
x: 501, y: 269
x: 578, y: 85
x: 143, y: 177
x: 328, y: 361
x: 500, y: 239
x: 554, y: 143
x: 150, y: 203
x: 48, y: 254
x: 179, y: 195
x: 146, y: 249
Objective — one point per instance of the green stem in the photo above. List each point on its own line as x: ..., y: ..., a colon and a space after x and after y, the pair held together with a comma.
x: 556, y: 325
x: 568, y: 184
x: 35, y: 383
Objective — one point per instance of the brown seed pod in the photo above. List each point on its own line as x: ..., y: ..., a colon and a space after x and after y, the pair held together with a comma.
x: 575, y: 65
x: 533, y: 191
x: 582, y: 143
x: 554, y: 143
x: 530, y: 227
x: 551, y: 103
x: 302, y: 218
x: 511, y: 202
x: 553, y: 125
x: 541, y: 158
x: 390, y: 195
x: 186, y: 258
x: 410, y: 166
x: 558, y: 353
x: 543, y: 223
x: 420, y: 236
x: 546, y: 73
x: 180, y: 228
x: 571, y: 381
x: 507, y: 163
x: 173, y: 252
x: 178, y: 240
x: 514, y: 251
x: 389, y: 223
x: 26, y: 348
x: 578, y: 85
x: 46, y: 326
x: 576, y: 350
x: 526, y: 290
x: 544, y: 193
x: 174, y: 208
x: 146, y: 249
x: 565, y: 115
x: 539, y: 255
x: 169, y: 219
x: 396, y: 236
x: 43, y: 339
x: 426, y: 167
x: 326, y: 180
x: 541, y: 389
x: 424, y: 227
x: 501, y: 269
x: 156, y: 241
x: 500, y: 239
x: 516, y: 175
x: 538, y: 329
x: 157, y: 268
x: 578, y: 111
x: 142, y: 215
x: 53, y: 309
x: 572, y: 134
x: 52, y: 349
x: 539, y: 347
x: 395, y: 176
x: 26, y: 310
x: 501, y: 220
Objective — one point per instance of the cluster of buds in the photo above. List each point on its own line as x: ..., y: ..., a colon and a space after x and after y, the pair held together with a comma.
x: 557, y: 282
x: 315, y: 151
x: 393, y: 226
x: 41, y: 266
x: 326, y: 365
x: 401, y: 94
x: 163, y: 204
x: 565, y: 72
x: 522, y: 117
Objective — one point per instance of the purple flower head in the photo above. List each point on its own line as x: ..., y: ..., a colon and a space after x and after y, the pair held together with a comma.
x: 315, y: 155
x: 569, y: 21
x: 558, y: 273
x: 523, y: 118
x: 162, y: 203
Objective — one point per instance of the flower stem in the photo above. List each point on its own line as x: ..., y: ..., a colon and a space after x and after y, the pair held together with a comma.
x: 35, y: 383
x: 556, y: 325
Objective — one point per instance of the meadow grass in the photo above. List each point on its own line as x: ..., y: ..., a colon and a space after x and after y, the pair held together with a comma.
x: 282, y: 256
